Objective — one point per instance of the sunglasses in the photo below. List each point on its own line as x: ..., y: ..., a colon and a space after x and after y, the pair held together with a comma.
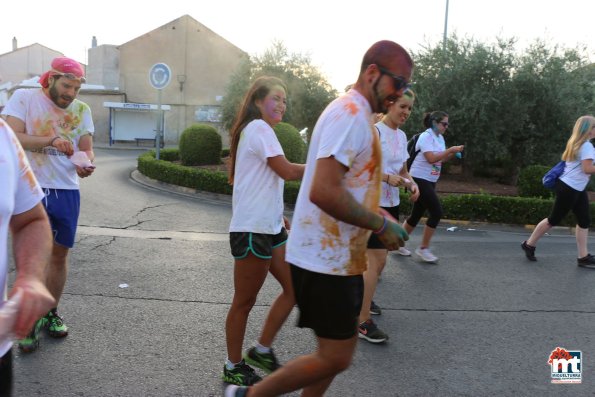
x: 444, y: 123
x: 70, y: 76
x: 399, y: 82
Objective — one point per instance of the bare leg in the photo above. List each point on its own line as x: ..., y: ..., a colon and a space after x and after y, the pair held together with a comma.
x: 581, y: 241
x: 313, y: 372
x: 542, y: 228
x: 376, y: 262
x: 408, y: 227
x: 249, y: 275
x: 284, y: 303
x: 427, y: 236
x: 57, y: 271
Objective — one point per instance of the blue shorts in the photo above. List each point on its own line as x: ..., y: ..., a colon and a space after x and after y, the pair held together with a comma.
x: 63, y: 207
x: 261, y: 245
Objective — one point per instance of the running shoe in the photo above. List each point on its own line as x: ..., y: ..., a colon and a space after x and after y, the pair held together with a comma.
x: 55, y: 325
x: 403, y: 251
x: 375, y: 309
x: 370, y: 332
x: 242, y: 375
x: 426, y: 255
x: 587, y: 261
x: 31, y: 342
x: 529, y: 251
x: 236, y: 391
x: 265, y: 361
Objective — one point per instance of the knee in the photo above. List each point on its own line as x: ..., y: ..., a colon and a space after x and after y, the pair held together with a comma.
x: 341, y: 363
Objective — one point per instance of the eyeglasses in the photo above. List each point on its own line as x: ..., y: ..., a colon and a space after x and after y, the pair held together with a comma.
x: 444, y: 123
x: 70, y: 76
x: 399, y: 82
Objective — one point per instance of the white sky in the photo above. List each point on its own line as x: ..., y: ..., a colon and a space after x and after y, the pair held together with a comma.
x: 335, y: 33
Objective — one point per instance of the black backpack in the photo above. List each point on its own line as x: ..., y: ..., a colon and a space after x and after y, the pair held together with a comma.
x: 411, y: 143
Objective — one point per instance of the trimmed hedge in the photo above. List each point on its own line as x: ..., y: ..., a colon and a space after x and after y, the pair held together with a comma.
x: 530, y: 182
x: 467, y: 207
x: 200, y: 144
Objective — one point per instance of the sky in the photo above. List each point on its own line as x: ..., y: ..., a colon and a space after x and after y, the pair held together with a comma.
x: 334, y: 33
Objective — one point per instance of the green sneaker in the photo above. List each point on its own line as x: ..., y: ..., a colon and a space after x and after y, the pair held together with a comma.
x: 55, y: 325
x: 31, y: 342
x: 265, y: 361
x: 242, y: 375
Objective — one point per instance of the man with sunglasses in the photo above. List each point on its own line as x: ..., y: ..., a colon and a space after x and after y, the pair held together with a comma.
x: 52, y: 125
x: 337, y: 208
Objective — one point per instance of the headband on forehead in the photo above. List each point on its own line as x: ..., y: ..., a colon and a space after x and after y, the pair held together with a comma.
x: 63, y: 66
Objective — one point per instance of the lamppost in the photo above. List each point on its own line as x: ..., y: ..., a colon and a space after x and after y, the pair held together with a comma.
x: 445, y: 27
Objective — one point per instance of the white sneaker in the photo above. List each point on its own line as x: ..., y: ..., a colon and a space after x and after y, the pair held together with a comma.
x: 426, y: 255
x: 403, y: 251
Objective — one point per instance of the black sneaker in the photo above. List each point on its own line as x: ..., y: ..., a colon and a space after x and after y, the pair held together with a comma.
x: 375, y: 309
x: 529, y: 251
x: 265, y: 361
x: 242, y: 375
x: 370, y: 332
x: 587, y: 261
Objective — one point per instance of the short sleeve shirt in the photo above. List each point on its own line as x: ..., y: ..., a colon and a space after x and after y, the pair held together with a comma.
x: 257, y: 200
x: 428, y: 142
x: 318, y: 242
x: 394, y: 155
x: 573, y: 175
x: 42, y: 117
x: 20, y: 193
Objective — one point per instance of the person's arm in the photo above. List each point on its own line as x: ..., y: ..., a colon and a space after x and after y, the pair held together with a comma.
x: 86, y: 145
x: 286, y: 170
x: 34, y: 142
x: 328, y: 193
x: 434, y: 157
x: 411, y: 185
x: 587, y: 166
x: 32, y: 245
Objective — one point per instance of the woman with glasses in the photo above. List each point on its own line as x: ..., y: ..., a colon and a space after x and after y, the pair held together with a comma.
x: 571, y: 192
x: 425, y: 171
x: 394, y: 175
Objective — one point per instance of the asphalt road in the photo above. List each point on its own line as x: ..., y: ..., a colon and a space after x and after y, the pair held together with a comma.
x: 150, y: 284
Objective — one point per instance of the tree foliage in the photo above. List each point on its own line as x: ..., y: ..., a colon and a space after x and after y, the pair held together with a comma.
x: 509, y: 110
x: 308, y: 90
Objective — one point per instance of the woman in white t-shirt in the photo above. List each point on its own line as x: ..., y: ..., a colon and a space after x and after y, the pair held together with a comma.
x: 394, y: 175
x: 425, y: 171
x: 257, y: 232
x: 571, y: 192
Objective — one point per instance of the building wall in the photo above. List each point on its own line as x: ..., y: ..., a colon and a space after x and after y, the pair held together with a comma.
x: 25, y: 63
x: 201, y: 63
x: 104, y: 66
x: 95, y: 99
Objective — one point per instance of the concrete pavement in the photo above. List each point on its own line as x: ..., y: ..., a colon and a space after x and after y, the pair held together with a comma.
x: 150, y: 285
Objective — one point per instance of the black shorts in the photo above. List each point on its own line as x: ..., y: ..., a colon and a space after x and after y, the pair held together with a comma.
x: 6, y: 374
x: 328, y: 304
x: 374, y: 242
x: 261, y: 245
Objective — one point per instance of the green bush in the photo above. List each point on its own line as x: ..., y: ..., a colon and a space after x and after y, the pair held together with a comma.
x: 465, y: 207
x: 529, y: 183
x: 200, y: 144
x: 291, y: 142
x: 225, y: 153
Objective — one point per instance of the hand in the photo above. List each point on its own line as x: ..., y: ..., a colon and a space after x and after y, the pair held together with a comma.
x: 84, y: 172
x: 287, y: 223
x: 457, y: 149
x: 393, y: 236
x: 414, y: 192
x: 63, y: 145
x: 35, y: 302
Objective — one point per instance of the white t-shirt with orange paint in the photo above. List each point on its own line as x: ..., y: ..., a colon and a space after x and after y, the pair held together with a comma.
x: 319, y: 242
x: 43, y: 118
x: 20, y: 193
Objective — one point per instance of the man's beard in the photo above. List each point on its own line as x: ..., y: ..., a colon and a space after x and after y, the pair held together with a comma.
x: 55, y: 97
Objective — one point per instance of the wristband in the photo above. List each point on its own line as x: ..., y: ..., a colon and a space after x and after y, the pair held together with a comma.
x: 53, y: 139
x: 379, y: 231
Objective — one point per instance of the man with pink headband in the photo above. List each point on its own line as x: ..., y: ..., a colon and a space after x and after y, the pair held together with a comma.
x: 56, y: 131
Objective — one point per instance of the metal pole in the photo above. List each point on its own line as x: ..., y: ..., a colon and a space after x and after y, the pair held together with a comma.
x: 158, y: 129
x: 445, y: 27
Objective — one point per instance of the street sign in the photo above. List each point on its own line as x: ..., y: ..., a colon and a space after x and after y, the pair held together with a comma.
x: 160, y: 75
